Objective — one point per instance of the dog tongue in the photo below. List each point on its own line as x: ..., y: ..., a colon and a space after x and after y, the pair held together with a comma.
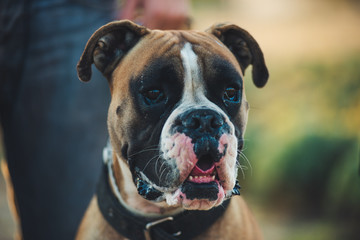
x: 199, y: 172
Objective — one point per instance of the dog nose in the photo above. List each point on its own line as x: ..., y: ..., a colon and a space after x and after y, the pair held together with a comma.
x: 202, y: 120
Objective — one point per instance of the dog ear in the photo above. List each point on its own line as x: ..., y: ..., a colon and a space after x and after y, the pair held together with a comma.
x: 107, y: 46
x: 245, y: 49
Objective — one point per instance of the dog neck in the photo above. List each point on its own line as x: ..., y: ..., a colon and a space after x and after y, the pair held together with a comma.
x: 126, y: 192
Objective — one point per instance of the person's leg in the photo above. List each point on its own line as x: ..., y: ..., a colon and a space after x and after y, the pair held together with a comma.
x: 55, y: 129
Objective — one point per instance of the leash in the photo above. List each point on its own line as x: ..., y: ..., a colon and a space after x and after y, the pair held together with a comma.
x: 185, y: 225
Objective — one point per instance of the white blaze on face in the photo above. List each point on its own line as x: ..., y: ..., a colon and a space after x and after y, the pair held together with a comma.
x: 194, y: 92
x: 194, y: 97
x: 193, y: 85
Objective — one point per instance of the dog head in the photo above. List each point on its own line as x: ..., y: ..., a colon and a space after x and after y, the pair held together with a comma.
x: 178, y: 110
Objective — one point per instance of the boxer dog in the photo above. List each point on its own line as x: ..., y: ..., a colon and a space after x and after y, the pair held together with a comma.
x: 176, y: 122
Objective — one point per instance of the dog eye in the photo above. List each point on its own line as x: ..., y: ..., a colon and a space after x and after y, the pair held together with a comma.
x: 153, y: 96
x: 232, y: 94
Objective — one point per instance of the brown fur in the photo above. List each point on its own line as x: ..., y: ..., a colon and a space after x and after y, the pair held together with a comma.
x: 240, y: 50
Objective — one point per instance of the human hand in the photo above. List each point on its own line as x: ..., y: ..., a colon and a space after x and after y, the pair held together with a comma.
x: 157, y: 14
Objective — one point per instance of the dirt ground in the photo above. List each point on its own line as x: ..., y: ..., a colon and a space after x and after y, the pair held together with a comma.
x: 287, y: 31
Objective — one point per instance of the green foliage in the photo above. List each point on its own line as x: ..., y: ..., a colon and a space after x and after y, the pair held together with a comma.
x: 302, y: 142
x: 310, y: 169
x: 343, y: 186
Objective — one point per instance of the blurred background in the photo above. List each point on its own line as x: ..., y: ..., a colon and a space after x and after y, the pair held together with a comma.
x: 301, y: 178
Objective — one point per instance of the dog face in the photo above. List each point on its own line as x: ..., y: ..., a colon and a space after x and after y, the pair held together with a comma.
x: 178, y: 111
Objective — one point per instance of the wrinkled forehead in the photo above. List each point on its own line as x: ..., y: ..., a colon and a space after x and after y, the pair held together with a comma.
x: 161, y: 50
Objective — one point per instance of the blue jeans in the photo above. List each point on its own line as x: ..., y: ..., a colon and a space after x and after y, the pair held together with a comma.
x: 54, y: 126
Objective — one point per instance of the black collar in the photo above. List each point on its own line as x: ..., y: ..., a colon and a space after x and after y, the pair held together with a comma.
x: 185, y: 225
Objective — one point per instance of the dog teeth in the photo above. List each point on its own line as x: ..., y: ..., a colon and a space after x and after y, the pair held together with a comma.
x: 202, y: 178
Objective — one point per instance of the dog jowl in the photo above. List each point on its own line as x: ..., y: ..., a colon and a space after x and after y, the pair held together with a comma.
x: 178, y: 110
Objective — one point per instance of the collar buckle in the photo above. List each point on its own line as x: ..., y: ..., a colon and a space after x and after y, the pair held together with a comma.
x: 148, y: 227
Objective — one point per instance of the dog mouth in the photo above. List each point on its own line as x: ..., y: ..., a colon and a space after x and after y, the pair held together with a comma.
x: 198, y: 175
x: 201, y: 190
x: 203, y: 181
x: 206, y: 178
x: 201, y: 184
